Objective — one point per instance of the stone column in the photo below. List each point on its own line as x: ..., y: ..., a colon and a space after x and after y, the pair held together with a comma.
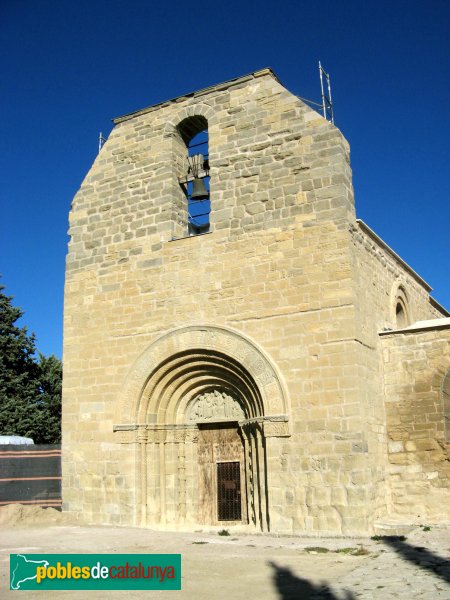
x: 245, y: 482
x: 180, y: 437
x: 191, y: 473
x: 153, y: 482
x: 253, y: 477
x: 162, y: 476
x: 142, y: 477
x: 260, y: 453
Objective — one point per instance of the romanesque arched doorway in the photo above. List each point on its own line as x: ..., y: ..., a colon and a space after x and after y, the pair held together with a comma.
x: 201, y: 422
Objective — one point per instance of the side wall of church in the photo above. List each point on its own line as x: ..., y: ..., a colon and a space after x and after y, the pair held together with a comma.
x: 380, y: 278
x: 415, y: 364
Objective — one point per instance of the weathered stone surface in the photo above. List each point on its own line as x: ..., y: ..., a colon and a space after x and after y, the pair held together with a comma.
x: 279, y: 307
x: 416, y: 363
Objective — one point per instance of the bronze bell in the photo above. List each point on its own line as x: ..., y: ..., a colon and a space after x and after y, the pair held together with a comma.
x: 199, y: 191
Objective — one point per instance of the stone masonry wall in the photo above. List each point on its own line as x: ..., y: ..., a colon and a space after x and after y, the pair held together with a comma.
x: 378, y: 276
x: 276, y: 267
x: 416, y: 363
x: 279, y: 266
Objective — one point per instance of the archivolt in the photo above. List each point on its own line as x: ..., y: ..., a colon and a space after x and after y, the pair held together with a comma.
x: 189, y: 361
x: 181, y: 378
x: 400, y: 307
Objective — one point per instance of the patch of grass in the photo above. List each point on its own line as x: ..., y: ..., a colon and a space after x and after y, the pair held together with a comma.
x: 200, y: 542
x: 426, y: 528
x: 223, y: 532
x: 316, y: 549
x: 388, y: 538
x: 361, y: 551
x: 346, y: 550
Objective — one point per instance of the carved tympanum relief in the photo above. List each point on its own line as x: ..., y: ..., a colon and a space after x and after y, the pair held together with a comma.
x: 215, y: 405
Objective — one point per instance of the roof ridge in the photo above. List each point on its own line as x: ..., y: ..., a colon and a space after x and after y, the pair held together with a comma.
x: 202, y: 91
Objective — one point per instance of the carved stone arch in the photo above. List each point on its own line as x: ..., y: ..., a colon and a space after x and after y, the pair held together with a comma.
x: 400, y: 306
x: 186, y: 361
x: 170, y: 128
x: 197, y: 397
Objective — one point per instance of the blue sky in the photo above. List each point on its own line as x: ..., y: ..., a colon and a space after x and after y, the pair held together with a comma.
x: 68, y: 67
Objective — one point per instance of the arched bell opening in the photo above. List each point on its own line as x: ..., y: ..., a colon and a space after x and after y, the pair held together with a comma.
x: 195, y: 179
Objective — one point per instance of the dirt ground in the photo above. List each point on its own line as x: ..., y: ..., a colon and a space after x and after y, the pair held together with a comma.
x: 238, y: 567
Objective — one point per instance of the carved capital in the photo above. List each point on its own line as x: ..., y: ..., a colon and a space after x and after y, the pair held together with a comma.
x: 142, y: 436
x: 175, y: 436
x: 276, y: 429
x: 125, y: 436
x: 192, y: 436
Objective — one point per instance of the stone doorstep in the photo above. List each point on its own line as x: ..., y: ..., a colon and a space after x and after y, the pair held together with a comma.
x: 392, y: 527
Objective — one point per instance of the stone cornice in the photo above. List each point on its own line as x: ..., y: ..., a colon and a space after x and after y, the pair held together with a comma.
x: 213, y: 88
x: 375, y: 238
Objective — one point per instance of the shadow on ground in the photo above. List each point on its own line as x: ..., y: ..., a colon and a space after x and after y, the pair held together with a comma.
x: 420, y: 556
x: 291, y: 587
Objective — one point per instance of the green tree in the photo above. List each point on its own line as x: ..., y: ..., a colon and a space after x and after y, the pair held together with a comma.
x: 30, y: 390
x: 50, y: 387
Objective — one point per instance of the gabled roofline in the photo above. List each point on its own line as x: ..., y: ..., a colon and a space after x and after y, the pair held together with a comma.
x: 435, y: 304
x: 394, y: 255
x: 213, y: 88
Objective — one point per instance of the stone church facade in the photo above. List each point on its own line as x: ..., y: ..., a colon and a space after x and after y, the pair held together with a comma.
x: 277, y: 369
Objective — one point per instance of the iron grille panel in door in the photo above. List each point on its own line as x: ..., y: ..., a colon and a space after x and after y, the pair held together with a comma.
x: 229, y: 491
